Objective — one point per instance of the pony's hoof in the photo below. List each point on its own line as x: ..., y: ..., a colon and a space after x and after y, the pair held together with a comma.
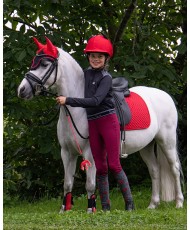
x: 179, y: 202
x: 91, y: 210
x: 179, y: 205
x: 153, y: 205
x: 62, y: 210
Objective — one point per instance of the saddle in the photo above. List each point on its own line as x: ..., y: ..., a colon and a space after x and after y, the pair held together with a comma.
x: 120, y: 90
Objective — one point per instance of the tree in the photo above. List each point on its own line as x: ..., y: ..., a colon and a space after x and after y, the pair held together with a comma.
x: 149, y: 40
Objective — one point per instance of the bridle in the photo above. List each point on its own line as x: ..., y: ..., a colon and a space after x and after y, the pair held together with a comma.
x: 39, y: 87
x: 32, y: 78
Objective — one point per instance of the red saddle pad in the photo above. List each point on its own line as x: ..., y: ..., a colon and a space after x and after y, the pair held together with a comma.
x: 139, y: 112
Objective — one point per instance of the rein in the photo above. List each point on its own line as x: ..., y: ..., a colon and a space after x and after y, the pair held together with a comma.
x: 53, y: 118
x: 68, y: 113
x: 45, y: 92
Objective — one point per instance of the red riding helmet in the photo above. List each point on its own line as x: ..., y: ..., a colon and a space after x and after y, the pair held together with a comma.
x: 100, y: 44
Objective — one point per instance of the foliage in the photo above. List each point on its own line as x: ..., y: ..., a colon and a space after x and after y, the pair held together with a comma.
x: 150, y: 49
x: 44, y: 215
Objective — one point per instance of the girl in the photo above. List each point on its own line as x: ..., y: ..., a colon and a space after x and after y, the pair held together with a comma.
x: 104, y: 128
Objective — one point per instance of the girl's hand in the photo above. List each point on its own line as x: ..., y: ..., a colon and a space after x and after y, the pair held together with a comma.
x: 61, y: 100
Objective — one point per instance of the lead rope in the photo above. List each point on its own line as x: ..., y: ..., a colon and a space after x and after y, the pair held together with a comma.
x: 85, y: 163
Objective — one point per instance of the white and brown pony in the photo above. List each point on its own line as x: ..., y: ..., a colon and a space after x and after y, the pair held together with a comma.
x: 54, y: 66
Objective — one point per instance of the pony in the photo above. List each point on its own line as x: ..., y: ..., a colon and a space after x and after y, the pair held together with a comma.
x: 52, y: 66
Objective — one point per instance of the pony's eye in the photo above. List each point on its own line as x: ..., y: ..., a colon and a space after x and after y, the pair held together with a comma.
x: 43, y: 64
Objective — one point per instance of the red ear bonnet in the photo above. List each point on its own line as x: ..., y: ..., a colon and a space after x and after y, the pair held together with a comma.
x: 99, y: 44
x: 39, y: 45
x: 48, y: 48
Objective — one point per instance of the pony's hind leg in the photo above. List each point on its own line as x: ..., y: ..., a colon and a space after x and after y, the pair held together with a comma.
x: 149, y: 158
x: 69, y: 161
x: 167, y: 155
x: 170, y: 169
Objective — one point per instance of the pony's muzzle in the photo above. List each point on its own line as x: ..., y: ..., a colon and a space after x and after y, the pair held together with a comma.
x: 24, y: 91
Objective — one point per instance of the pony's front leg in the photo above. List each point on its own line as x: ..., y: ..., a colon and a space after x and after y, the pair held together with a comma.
x: 91, y: 183
x: 69, y: 162
x: 90, y: 188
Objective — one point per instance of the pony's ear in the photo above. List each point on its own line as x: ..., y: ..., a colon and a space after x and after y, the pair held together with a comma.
x: 39, y: 45
x: 51, y: 48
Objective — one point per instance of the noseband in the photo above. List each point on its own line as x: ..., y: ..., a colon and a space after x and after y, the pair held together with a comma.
x: 32, y: 78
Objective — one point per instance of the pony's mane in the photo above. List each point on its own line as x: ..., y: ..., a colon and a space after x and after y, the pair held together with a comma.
x: 72, y: 73
x: 68, y: 56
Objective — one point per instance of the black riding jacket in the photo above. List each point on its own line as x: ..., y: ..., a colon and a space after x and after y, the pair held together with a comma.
x: 98, y: 99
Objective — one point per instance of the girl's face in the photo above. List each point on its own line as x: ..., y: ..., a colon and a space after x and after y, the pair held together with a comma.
x: 97, y: 60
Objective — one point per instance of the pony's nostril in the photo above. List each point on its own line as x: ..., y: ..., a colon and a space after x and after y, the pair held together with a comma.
x: 22, y: 89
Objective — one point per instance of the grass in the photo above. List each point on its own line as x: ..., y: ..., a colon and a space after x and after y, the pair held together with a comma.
x: 44, y: 215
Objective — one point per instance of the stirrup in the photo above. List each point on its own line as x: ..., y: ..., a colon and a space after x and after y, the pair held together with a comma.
x: 123, y: 151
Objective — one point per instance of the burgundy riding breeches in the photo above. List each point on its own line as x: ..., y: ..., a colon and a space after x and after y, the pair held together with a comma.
x: 104, y: 136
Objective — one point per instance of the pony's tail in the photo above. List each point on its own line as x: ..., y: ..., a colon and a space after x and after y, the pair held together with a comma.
x: 167, y: 183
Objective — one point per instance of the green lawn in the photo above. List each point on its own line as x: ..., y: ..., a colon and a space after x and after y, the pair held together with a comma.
x: 44, y: 214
